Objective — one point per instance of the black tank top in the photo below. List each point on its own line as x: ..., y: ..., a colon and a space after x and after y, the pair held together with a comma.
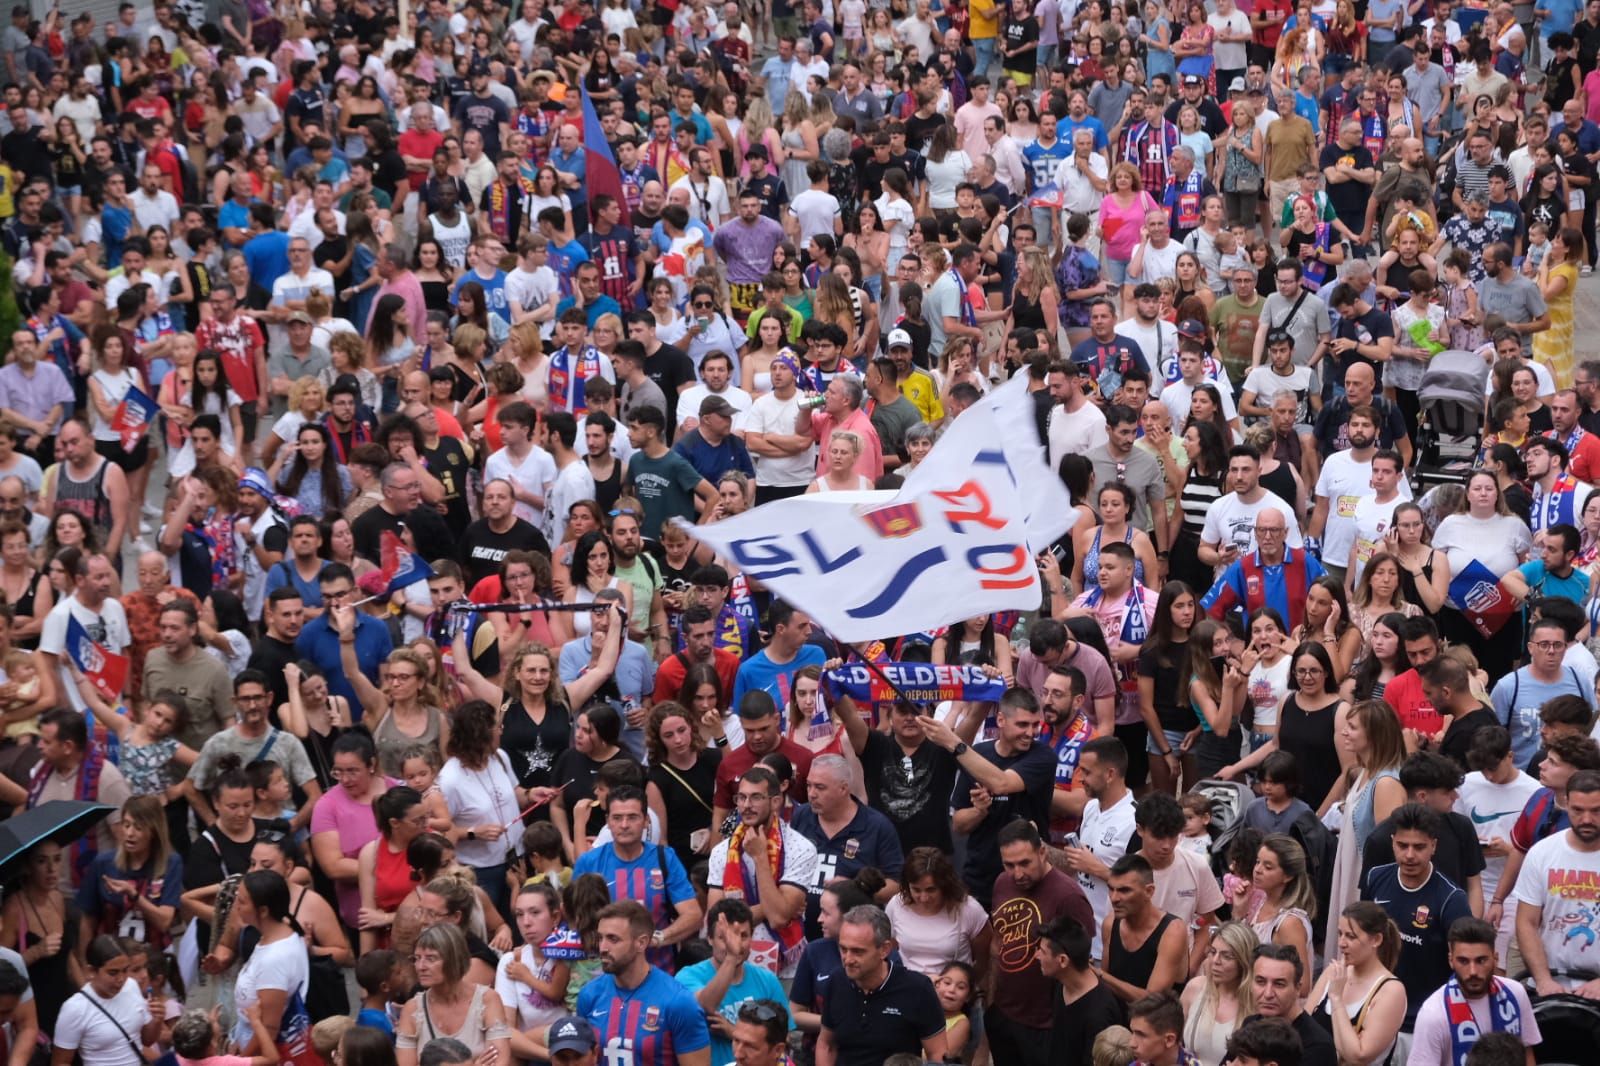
x: 1281, y: 483
x: 1025, y: 311
x: 1135, y: 967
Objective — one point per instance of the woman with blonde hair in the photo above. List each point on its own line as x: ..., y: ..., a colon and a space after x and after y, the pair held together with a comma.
x: 1122, y: 212
x: 1034, y: 302
x: 308, y: 402
x: 760, y: 128
x: 1358, y: 998
x: 801, y: 142
x: 1242, y: 150
x: 958, y: 365
x: 1369, y: 732
x: 524, y: 349
x: 1279, y: 899
x: 1220, y: 996
x: 844, y: 449
x: 123, y: 888
x: 406, y: 710
x: 831, y: 303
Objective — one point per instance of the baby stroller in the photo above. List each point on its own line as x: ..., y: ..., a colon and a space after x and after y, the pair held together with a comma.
x: 1450, y: 431
x: 1570, y: 1026
x: 1228, y: 801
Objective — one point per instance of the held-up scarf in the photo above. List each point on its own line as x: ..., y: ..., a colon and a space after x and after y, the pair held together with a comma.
x: 88, y: 789
x: 1068, y: 745
x: 500, y: 209
x: 737, y: 883
x: 1559, y: 505
x: 969, y: 317
x: 1504, y: 1016
x: 1373, y: 132
x: 1316, y: 271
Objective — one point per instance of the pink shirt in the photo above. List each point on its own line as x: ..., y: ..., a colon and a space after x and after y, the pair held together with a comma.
x: 1122, y: 225
x: 408, y: 287
x: 870, y: 465
x: 355, y: 823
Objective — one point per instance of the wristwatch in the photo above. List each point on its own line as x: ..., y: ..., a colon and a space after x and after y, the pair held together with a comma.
x: 960, y: 749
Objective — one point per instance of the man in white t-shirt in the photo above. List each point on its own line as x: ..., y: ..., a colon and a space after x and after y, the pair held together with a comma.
x: 1075, y: 426
x: 1280, y: 374
x: 1495, y: 1004
x: 572, y: 482
x: 1157, y: 339
x: 716, y: 379
x: 1374, y: 513
x: 1193, y: 369
x: 522, y: 461
x: 815, y: 210
x: 1185, y: 885
x: 1230, y: 528
x: 1346, y: 476
x: 100, y: 615
x: 532, y: 288
x: 1494, y: 796
x: 1107, y: 825
x: 785, y: 461
x: 1558, y: 894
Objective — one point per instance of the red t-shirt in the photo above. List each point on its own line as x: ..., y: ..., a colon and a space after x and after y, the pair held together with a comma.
x: 418, y: 145
x: 1404, y: 694
x: 669, y: 677
x: 740, y: 759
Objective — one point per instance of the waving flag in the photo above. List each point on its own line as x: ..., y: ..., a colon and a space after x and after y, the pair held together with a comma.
x: 959, y: 539
x: 1048, y: 196
x: 132, y: 417
x: 106, y: 670
x: 401, y: 566
x: 602, y: 175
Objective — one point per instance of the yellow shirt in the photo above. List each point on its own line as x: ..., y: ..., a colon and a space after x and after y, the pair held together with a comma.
x: 983, y: 19
x: 8, y: 188
x: 924, y: 396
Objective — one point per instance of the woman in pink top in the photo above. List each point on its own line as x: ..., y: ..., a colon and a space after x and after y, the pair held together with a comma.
x: 342, y: 822
x: 933, y: 917
x: 1122, y: 219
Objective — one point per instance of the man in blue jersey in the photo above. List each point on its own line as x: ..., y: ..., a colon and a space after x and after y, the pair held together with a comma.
x: 644, y: 1017
x: 649, y: 875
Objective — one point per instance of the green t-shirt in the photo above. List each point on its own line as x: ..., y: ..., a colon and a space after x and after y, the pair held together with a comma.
x: 666, y: 488
x: 379, y: 198
x: 891, y: 420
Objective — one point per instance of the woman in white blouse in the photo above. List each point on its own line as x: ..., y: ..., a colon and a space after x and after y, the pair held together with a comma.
x: 105, y: 1017
x: 481, y: 791
x: 935, y: 920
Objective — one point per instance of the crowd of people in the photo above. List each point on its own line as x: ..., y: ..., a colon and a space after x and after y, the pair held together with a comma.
x: 1295, y: 761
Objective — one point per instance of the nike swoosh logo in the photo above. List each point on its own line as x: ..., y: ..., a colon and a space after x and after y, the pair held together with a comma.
x: 1381, y: 902
x: 1485, y: 819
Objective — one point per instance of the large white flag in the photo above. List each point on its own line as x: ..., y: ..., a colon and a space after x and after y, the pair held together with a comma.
x: 956, y: 541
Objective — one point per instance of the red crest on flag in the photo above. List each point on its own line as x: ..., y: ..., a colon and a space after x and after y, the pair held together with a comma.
x: 896, y: 520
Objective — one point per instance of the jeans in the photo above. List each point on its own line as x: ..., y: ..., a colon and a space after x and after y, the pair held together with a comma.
x: 492, y: 879
x: 983, y: 52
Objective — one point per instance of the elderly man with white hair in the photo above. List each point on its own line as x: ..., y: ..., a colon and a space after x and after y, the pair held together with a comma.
x: 1157, y: 438
x: 849, y: 836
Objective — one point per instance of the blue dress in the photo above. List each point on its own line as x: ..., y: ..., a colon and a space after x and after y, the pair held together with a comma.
x: 361, y: 265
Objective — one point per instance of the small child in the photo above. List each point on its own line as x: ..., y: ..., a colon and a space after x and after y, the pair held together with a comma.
x: 545, y: 858
x: 1408, y: 217
x: 20, y: 671
x: 954, y: 989
x: 619, y: 773
x: 1238, y: 886
x: 195, y: 1039
x: 419, y: 767
x: 1538, y: 245
x: 274, y: 796
x: 381, y: 978
x: 1508, y: 424
x: 1279, y: 806
x: 1230, y: 253
x: 328, y: 1034
x: 1460, y: 300
x: 1196, y: 824
x: 1168, y: 311
x: 1113, y: 1047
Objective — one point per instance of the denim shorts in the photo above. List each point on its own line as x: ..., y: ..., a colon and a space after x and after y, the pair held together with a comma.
x: 1114, y: 270
x: 1174, y: 741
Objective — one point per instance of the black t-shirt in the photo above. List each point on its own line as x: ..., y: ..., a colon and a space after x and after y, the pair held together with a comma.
x: 270, y: 656
x: 485, y: 114
x: 1073, y: 1031
x: 1037, y: 768
x: 1349, y: 198
x: 1018, y: 32
x: 1365, y: 329
x: 330, y: 251
x: 368, y: 529
x: 534, y: 747
x: 914, y: 790
x: 897, y: 1017
x: 1458, y: 738
x: 390, y: 172
x: 447, y: 460
x: 212, y: 857
x: 1424, y: 917
x: 1458, y: 856
x: 1172, y: 704
x: 1316, y: 1045
x: 919, y: 130
x: 482, y: 549
x: 579, y: 771
x: 670, y: 368
x: 686, y: 794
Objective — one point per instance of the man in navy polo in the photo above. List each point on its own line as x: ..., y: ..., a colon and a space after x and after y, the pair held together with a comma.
x: 848, y: 836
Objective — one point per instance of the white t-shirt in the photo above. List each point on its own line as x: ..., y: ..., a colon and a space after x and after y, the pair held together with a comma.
x: 1545, y: 385
x: 283, y: 966
x: 926, y: 944
x: 816, y: 211
x: 1431, y: 1045
x: 572, y: 483
x: 1372, y: 521
x: 1343, y: 481
x: 161, y: 209
x: 1159, y: 262
x: 82, y: 1028
x: 1074, y: 433
x: 799, y: 869
x: 1494, y: 810
x: 1158, y: 342
x: 109, y: 629
x: 1179, y: 398
x: 1188, y: 888
x: 531, y: 290
x: 1229, y: 55
x: 1265, y: 384
x: 714, y: 208
x: 1496, y: 541
x: 536, y: 473
x: 482, y: 797
x: 1105, y: 833
x: 305, y: 225
x: 777, y: 417
x: 532, y: 1010
x: 1233, y: 521
x: 690, y: 399
x: 1566, y: 883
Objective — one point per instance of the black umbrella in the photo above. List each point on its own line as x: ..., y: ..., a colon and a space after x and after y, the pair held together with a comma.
x: 62, y: 821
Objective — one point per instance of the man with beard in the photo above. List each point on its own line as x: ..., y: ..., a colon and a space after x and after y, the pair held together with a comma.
x: 1557, y: 495
x: 1494, y: 1003
x: 1555, y: 893
x: 180, y: 665
x: 497, y: 531
x: 1029, y: 895
x: 776, y: 893
x: 1001, y: 780
x: 1345, y: 478
x: 245, y: 739
x: 274, y: 650
x: 672, y: 1030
